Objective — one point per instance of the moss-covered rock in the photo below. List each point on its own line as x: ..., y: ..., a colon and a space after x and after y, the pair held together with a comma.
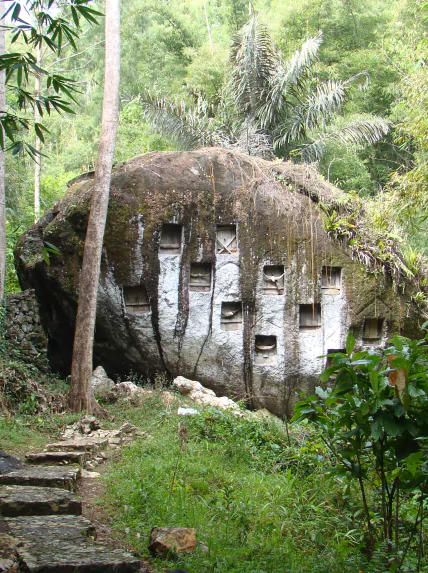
x: 249, y: 316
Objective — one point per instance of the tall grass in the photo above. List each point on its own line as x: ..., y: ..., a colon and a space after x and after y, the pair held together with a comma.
x: 258, y: 504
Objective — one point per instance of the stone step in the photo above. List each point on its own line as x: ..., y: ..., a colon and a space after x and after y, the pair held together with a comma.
x: 78, y: 444
x: 60, y: 457
x: 65, y: 477
x: 20, y: 500
x: 63, y: 544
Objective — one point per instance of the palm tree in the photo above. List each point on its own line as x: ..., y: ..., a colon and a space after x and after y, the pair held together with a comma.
x: 268, y: 106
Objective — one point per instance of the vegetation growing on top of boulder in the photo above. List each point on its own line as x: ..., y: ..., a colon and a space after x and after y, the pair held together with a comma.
x: 366, y: 227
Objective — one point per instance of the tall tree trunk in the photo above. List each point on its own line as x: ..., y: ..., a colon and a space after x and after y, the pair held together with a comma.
x: 208, y: 29
x: 38, y: 161
x: 81, y: 394
x: 2, y: 184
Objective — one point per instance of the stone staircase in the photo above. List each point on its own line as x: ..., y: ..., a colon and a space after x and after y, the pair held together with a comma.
x: 41, y: 525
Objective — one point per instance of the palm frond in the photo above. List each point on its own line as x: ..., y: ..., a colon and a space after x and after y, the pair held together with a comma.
x: 186, y: 127
x: 356, y: 133
x: 324, y: 103
x: 318, y: 108
x: 254, y: 62
x: 288, y: 78
x: 302, y: 60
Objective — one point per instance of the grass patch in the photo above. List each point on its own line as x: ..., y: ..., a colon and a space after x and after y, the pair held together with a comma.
x: 259, y: 503
x: 22, y: 434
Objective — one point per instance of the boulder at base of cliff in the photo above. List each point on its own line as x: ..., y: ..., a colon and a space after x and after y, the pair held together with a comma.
x: 218, y: 267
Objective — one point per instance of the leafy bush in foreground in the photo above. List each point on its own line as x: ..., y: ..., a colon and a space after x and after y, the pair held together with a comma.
x: 374, y: 421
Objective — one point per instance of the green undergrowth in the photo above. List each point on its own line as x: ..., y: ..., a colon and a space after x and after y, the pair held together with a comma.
x: 32, y: 407
x: 22, y: 433
x: 255, y: 493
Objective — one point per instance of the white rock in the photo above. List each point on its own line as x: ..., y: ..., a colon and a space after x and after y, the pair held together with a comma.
x: 201, y: 395
x: 127, y: 388
x: 90, y: 475
x: 187, y: 412
x: 100, y: 380
x: 185, y: 386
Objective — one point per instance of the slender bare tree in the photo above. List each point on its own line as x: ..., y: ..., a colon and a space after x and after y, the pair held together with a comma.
x: 2, y: 176
x: 81, y: 395
x: 38, y: 143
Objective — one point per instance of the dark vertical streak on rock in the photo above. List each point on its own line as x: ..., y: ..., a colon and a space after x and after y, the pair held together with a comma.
x: 152, y: 284
x: 183, y: 288
x: 248, y: 316
x: 210, y: 325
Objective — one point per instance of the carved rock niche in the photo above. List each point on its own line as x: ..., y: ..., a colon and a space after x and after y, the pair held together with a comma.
x: 372, y: 332
x: 226, y: 242
x: 331, y: 278
x: 309, y: 316
x: 273, y: 279
x: 170, y: 243
x: 200, y: 277
x: 265, y: 351
x: 136, y: 299
x: 231, y: 316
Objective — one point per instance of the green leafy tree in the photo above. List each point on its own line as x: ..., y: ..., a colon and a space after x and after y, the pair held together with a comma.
x: 34, y: 25
x: 374, y: 421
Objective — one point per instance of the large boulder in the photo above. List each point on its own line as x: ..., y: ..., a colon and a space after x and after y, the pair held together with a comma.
x: 217, y: 267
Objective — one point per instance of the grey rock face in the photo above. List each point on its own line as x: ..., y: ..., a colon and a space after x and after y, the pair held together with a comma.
x: 8, y: 463
x: 100, y: 381
x: 216, y: 267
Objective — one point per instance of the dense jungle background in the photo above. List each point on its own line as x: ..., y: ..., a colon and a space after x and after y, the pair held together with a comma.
x: 183, y: 59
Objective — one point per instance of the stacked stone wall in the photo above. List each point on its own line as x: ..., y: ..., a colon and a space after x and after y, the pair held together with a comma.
x: 25, y: 337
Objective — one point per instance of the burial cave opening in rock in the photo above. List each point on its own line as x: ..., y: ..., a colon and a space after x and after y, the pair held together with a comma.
x: 273, y: 279
x: 309, y: 316
x: 170, y: 242
x: 331, y: 280
x: 136, y: 299
x: 226, y: 240
x: 231, y: 316
x: 265, y: 349
x: 200, y: 277
x: 372, y: 331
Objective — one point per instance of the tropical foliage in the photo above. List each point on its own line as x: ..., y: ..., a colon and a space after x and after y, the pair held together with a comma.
x: 33, y: 26
x: 269, y: 105
x: 373, y: 420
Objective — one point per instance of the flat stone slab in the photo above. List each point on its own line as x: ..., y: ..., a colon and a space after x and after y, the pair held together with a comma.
x: 65, y: 477
x: 8, y: 463
x: 79, y: 444
x: 63, y: 544
x: 21, y: 500
x: 59, y: 457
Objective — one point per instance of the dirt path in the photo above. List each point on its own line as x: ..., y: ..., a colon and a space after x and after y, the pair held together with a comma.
x: 91, y: 490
